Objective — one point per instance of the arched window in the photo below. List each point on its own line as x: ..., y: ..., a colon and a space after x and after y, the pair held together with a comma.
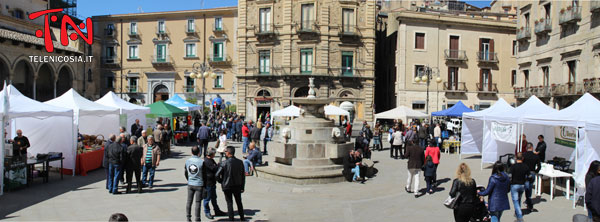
x: 263, y: 93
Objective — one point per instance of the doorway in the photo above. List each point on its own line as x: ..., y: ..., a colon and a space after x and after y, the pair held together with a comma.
x: 261, y: 113
x: 161, y: 93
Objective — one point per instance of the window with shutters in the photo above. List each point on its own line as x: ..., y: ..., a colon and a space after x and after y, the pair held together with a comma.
x: 264, y: 61
x: 453, y: 78
x: 264, y: 20
x: 485, y: 81
x: 307, y: 17
x: 513, y: 78
x: 419, y: 40
x: 486, y: 50
x: 189, y: 84
x: 218, y: 81
x: 306, y: 60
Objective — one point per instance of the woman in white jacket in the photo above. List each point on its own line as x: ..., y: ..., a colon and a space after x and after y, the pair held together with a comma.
x: 265, y: 135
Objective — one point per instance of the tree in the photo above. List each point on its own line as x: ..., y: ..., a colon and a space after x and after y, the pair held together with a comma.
x: 191, y: 100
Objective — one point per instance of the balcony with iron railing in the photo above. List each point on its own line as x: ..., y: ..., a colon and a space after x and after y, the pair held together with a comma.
x: 487, y: 88
x: 264, y: 29
x: 189, y: 89
x: 595, y: 6
x: 543, y: 26
x: 162, y: 60
x: 490, y: 57
x: 523, y: 33
x: 190, y: 29
x: 348, y: 30
x: 306, y: 27
x: 219, y: 28
x: 455, y: 55
x: 591, y: 85
x: 217, y: 59
x: 349, y: 1
x: 133, y: 89
x: 163, y: 32
x: 569, y: 15
x: 455, y: 87
x: 133, y: 33
x: 557, y: 90
x: 572, y: 88
x: 522, y: 92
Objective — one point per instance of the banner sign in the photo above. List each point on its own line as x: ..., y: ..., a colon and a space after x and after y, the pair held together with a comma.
x: 505, y: 132
x: 123, y: 120
x: 565, y: 136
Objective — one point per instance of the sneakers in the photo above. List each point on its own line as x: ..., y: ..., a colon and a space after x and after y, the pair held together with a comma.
x: 407, y: 190
x: 220, y: 213
x: 209, y: 216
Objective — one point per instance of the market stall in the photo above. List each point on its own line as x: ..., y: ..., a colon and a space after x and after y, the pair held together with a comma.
x: 290, y: 111
x: 180, y: 103
x: 455, y: 111
x: 48, y: 128
x: 472, y: 132
x: 401, y: 112
x: 129, y: 110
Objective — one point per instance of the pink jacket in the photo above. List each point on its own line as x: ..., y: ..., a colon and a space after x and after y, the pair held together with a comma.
x: 434, y: 152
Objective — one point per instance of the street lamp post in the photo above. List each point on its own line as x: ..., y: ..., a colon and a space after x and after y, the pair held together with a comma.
x: 202, y: 71
x: 425, y: 74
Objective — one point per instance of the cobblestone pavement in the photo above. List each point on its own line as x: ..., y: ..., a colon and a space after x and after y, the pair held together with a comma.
x: 381, y: 198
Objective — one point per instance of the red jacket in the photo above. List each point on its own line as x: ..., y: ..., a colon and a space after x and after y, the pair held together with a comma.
x: 434, y: 152
x: 245, y: 131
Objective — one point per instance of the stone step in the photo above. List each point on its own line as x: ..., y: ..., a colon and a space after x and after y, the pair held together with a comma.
x: 288, y: 174
x: 310, y: 168
x: 311, y: 162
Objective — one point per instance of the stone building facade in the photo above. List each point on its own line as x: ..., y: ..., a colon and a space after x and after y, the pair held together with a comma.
x: 559, y: 50
x: 147, y: 57
x: 284, y: 42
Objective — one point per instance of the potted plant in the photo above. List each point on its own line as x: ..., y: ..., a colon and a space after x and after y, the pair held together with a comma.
x: 536, y: 22
x: 569, y: 8
x: 541, y: 20
x: 562, y: 11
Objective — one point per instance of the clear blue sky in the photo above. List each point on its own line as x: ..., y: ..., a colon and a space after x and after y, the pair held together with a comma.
x: 88, y: 8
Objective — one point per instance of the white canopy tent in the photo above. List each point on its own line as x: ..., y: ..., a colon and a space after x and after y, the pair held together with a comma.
x: 504, y: 128
x: 291, y: 110
x: 132, y: 111
x: 400, y: 112
x: 568, y: 122
x: 48, y: 128
x: 472, y: 132
x: 89, y: 117
x: 331, y: 110
x: 592, y: 151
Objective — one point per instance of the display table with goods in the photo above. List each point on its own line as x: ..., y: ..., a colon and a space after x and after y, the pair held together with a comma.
x: 549, y: 171
x: 20, y: 171
x: 181, y: 136
x: 90, y: 153
x: 451, y: 143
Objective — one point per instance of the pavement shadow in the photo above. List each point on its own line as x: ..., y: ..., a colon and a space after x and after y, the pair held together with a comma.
x: 171, y: 185
x: 160, y: 190
x: 442, y: 181
x: 177, y: 155
x: 165, y: 169
x: 16, y: 200
x: 473, y: 157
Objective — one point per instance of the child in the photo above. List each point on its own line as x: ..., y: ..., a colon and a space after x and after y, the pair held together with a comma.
x: 429, y: 173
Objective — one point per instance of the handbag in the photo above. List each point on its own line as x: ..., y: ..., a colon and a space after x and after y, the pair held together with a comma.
x: 451, y: 202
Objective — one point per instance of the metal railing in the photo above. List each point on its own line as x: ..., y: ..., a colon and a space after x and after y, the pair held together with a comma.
x: 349, y: 30
x: 109, y: 60
x: 190, y: 29
x: 307, y: 26
x: 157, y: 60
x: 543, y: 26
x: 455, y: 86
x: 165, y: 31
x: 523, y: 33
x: 557, y: 90
x: 189, y: 89
x: 569, y: 15
x: 218, y: 29
x: 265, y: 29
x: 453, y: 54
x: 487, y: 57
x: 216, y: 58
x: 132, y: 89
x: 594, y: 5
x: 487, y: 88
x: 347, y: 71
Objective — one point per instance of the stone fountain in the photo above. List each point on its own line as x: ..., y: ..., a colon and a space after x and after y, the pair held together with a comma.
x: 310, y: 149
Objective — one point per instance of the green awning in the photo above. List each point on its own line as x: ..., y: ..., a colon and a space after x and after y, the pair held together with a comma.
x: 161, y: 109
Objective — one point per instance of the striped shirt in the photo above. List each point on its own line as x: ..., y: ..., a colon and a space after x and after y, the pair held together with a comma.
x: 149, y: 155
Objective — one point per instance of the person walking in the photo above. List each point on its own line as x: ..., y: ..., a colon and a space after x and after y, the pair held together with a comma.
x: 437, y: 134
x: 465, y: 187
x: 377, y: 137
x: 133, y: 166
x: 266, y: 135
x: 422, y: 133
x: 497, y: 189
x: 416, y: 159
x: 238, y: 130
x: 397, y: 143
x: 593, y: 172
x: 194, y: 176
x: 150, y: 160
x: 209, y: 169
x: 222, y: 144
x: 233, y: 182
x: 519, y: 173
x: 203, y: 137
x: 429, y: 174
x: 434, y: 152
x: 116, y: 160
x: 534, y: 165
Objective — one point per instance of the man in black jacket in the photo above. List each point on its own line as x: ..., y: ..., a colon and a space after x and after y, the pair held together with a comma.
x: 352, y: 165
x: 540, y: 149
x: 422, y: 133
x: 534, y: 164
x: 111, y: 139
x: 233, y: 181
x: 592, y: 197
x: 136, y: 129
x: 133, y: 165
x: 209, y: 170
x: 416, y: 158
x: 116, y: 160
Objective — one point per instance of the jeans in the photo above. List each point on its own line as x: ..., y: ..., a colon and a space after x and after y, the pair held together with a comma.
x: 435, y: 141
x: 107, y: 170
x: 528, y: 190
x: 413, y: 177
x: 193, y: 192
x: 395, y: 150
x: 203, y: 145
x: 516, y: 190
x: 495, y: 215
x: 265, y: 144
x: 114, y: 173
x: 228, y: 134
x: 237, y: 194
x: 429, y: 181
x: 148, y: 168
x: 245, y: 144
x: 211, y: 197
x: 356, y: 171
x: 247, y: 165
x: 422, y: 143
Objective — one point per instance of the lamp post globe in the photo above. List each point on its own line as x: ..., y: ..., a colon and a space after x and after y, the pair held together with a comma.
x: 193, y: 75
x: 213, y: 75
x: 417, y: 79
x: 438, y: 80
x: 424, y: 78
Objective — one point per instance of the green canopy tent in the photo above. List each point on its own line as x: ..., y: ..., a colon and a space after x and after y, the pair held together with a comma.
x: 162, y: 109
